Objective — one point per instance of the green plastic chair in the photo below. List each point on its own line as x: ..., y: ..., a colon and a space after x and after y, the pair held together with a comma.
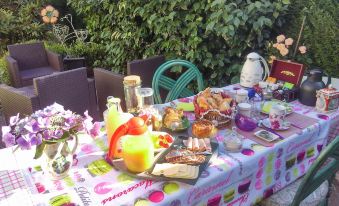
x: 313, y: 180
x: 318, y: 173
x: 176, y: 88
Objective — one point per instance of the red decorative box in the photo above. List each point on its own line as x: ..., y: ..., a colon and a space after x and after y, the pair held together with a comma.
x: 288, y: 71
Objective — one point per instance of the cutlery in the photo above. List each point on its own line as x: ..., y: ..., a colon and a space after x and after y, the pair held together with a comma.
x: 270, y: 130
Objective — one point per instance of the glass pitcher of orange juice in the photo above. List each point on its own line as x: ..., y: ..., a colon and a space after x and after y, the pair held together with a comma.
x: 138, y: 152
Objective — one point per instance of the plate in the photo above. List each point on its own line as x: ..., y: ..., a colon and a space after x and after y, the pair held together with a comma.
x: 160, y: 158
x: 269, y: 105
x: 266, y: 135
x: 185, y: 124
x: 286, y: 125
x: 178, y: 143
x: 155, y: 139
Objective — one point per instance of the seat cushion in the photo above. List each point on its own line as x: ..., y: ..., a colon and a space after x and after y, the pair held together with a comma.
x: 28, y: 75
x: 37, y: 72
x: 285, y: 196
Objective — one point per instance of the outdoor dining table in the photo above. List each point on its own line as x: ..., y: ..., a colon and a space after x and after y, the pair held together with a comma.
x: 240, y: 178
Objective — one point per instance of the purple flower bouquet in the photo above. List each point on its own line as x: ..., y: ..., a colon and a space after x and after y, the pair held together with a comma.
x: 50, y: 130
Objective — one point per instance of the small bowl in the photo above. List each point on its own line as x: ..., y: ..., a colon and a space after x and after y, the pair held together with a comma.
x: 245, y: 123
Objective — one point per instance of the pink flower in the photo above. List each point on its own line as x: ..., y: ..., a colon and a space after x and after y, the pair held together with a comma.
x: 302, y: 49
x: 284, y: 52
x: 275, y: 45
x: 281, y: 38
x: 289, y: 42
x: 281, y: 47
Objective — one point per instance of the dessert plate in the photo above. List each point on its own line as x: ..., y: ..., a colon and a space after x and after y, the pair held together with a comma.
x: 286, y: 125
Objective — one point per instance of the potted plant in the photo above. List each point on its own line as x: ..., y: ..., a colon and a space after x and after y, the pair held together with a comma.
x: 50, y: 132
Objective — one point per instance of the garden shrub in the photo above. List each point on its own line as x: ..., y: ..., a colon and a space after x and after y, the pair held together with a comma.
x: 321, y: 31
x: 19, y: 22
x: 214, y: 35
x: 94, y: 53
x: 4, y: 74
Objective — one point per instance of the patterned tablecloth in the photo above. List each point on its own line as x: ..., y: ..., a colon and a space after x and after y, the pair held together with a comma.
x: 241, y: 178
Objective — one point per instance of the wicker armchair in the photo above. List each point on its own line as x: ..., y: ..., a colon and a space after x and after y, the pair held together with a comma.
x: 108, y: 83
x: 71, y: 89
x: 28, y: 61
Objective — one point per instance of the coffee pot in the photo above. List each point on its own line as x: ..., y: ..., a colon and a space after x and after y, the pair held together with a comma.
x: 252, y: 71
x: 309, y: 87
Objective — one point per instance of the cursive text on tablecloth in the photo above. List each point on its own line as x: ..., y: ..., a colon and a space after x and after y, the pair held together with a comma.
x: 147, y: 184
x: 199, y: 192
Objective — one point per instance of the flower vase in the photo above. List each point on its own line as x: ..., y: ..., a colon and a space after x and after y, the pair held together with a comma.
x: 57, y: 159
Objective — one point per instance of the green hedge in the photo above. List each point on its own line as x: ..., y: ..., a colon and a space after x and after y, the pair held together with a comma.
x: 321, y: 32
x: 215, y: 35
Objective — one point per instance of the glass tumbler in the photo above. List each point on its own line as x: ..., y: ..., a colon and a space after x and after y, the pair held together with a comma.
x: 146, y: 97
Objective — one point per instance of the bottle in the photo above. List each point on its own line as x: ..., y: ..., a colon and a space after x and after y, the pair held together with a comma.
x: 132, y: 85
x: 114, y: 117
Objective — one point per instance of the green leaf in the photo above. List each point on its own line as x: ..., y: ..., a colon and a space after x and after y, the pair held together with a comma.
x: 236, y: 22
x: 39, y: 150
x: 286, y: 1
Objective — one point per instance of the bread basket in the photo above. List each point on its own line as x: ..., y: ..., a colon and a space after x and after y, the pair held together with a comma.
x: 219, y: 118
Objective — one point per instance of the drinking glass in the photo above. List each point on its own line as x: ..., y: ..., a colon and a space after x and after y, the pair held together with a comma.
x: 146, y: 95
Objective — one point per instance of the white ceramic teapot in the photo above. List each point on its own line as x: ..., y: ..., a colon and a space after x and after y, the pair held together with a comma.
x: 252, y: 71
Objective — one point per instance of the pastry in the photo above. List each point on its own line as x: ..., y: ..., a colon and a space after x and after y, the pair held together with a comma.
x: 202, y: 128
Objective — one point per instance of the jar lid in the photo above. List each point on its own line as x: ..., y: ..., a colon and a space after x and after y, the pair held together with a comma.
x: 132, y: 80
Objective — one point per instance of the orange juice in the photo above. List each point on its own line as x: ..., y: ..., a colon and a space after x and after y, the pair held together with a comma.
x: 114, y: 117
x: 138, y: 152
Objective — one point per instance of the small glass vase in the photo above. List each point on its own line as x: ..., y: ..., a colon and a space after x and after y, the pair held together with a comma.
x: 57, y: 159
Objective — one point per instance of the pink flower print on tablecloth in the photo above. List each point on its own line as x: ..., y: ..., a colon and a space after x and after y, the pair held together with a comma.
x: 275, y: 124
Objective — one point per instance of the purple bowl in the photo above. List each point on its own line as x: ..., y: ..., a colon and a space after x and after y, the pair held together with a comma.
x: 245, y: 123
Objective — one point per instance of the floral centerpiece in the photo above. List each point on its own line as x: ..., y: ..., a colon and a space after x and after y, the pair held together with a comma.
x: 50, y: 130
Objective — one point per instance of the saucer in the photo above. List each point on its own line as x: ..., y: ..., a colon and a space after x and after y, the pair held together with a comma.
x: 286, y: 125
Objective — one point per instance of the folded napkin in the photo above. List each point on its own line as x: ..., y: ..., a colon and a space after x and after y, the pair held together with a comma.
x: 187, y: 107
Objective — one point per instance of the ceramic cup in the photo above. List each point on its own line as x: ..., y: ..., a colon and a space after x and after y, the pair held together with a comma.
x: 263, y: 84
x: 241, y: 96
x: 276, y: 116
x: 244, y: 109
